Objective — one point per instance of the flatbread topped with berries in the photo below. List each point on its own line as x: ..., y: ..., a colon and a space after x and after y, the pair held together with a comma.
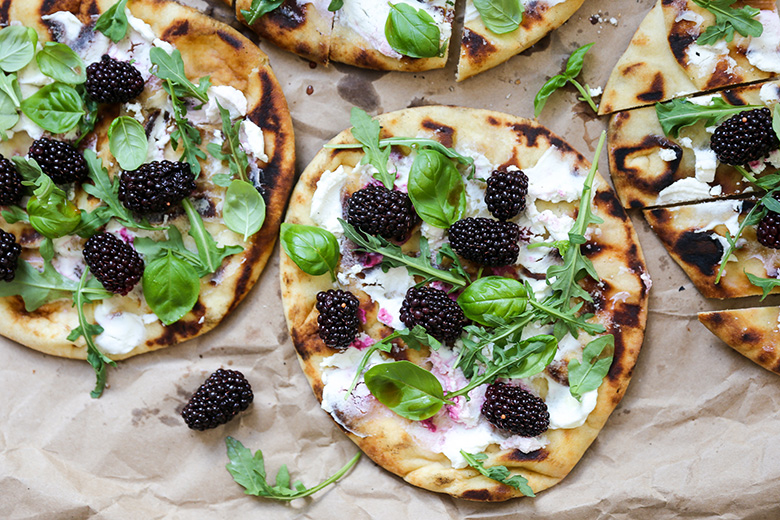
x: 417, y: 269
x: 164, y: 140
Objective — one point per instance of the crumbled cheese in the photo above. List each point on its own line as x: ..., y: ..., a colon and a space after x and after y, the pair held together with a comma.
x: 683, y: 190
x: 667, y: 154
x: 388, y: 290
x: 706, y: 57
x: 763, y: 52
x: 251, y: 138
x: 690, y: 16
x: 122, y: 331
x: 595, y: 92
x: 769, y: 93
x: 326, y: 202
x: 706, y: 160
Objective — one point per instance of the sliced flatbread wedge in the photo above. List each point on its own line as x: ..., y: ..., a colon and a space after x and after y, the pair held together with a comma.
x: 754, y: 333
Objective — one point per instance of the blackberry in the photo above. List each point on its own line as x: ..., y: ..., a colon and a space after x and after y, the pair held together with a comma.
x: 218, y: 400
x: 115, y: 264
x: 59, y: 160
x: 378, y: 211
x: 441, y: 317
x: 155, y: 186
x: 768, y: 230
x: 113, y: 81
x: 10, y: 183
x: 515, y: 410
x: 486, y: 241
x: 744, y: 137
x: 505, y: 193
x: 338, y: 319
x: 9, y: 255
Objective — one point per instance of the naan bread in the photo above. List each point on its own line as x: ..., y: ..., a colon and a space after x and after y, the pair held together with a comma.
x: 754, y: 333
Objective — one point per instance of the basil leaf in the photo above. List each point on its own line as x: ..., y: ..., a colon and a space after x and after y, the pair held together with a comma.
x: 113, y: 23
x: 221, y: 179
x: 412, y: 32
x: 171, y: 288
x: 260, y: 8
x: 776, y: 120
x: 498, y: 473
x: 59, y: 62
x: 576, y: 61
x: 406, y: 389
x: 50, y: 212
x: 56, y: 108
x: 127, y: 141
x: 244, y: 210
x: 436, y: 189
x: 315, y: 251
x: 14, y: 214
x: 586, y: 376
x: 493, y: 296
x: 676, y: 114
x: 170, y: 67
x: 366, y: 131
x: 17, y: 48
x: 500, y: 16
x: 35, y: 287
x: 335, y: 5
x: 728, y: 20
x: 8, y: 105
x: 573, y: 68
x: 27, y: 168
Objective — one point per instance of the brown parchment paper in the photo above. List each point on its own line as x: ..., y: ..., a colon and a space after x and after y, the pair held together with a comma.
x: 696, y: 436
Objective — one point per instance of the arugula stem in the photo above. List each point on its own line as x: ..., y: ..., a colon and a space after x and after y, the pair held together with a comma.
x: 95, y: 357
x: 585, y: 95
x: 325, y: 483
x: 743, y: 171
x: 733, y: 241
x: 364, y: 361
x: 198, y: 232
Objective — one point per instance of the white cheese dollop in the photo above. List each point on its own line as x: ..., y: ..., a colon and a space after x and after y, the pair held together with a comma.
x: 326, y: 203
x: 251, y: 138
x: 706, y: 161
x: 554, y: 178
x: 68, y: 24
x: 706, y: 57
x: 565, y: 411
x: 763, y: 52
x: 122, y: 331
x: 769, y: 93
x: 388, y: 290
x: 684, y: 190
x: 667, y: 154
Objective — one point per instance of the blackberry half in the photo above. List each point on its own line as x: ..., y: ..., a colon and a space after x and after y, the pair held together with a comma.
x: 486, y: 241
x: 338, y: 319
x: 156, y: 186
x: 515, y: 410
x: 113, y: 81
x: 59, y: 160
x: 115, y: 264
x: 9, y: 255
x: 441, y: 317
x: 224, y: 394
x: 768, y: 230
x: 10, y: 183
x: 378, y: 211
x: 744, y: 137
x: 505, y: 193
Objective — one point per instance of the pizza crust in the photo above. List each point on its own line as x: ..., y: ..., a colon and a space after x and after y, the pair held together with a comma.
x: 754, y: 333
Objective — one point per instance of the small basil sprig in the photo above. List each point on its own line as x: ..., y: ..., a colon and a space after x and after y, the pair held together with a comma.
x: 260, y: 8
x: 56, y: 108
x: 493, y: 296
x: 17, y: 47
x: 676, y: 114
x: 113, y: 23
x: 587, y: 375
x: 728, y: 20
x: 436, y: 189
x: 498, y: 473
x: 413, y: 32
x: 366, y: 131
x: 59, y: 62
x: 171, y: 287
x: 573, y: 69
x: 407, y: 389
x: 249, y: 472
x: 9, y: 103
x: 500, y: 16
x: 127, y: 141
x: 315, y: 251
x: 50, y: 212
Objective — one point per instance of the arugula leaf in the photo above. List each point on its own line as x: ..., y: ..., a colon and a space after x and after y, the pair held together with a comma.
x: 113, y: 22
x: 412, y: 32
x: 366, y: 130
x: 754, y: 216
x: 500, y: 16
x: 210, y: 255
x: 676, y: 114
x: 88, y: 122
x: 573, y: 69
x: 766, y: 284
x: 37, y: 287
x: 335, y: 5
x: 728, y: 20
x: 249, y: 472
x: 262, y: 7
x: 586, y: 375
x: 185, y: 134
x: 236, y: 156
x: 498, y: 473
x: 170, y: 68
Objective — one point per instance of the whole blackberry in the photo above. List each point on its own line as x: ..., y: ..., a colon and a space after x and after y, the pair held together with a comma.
x: 115, y: 264
x: 768, y: 231
x: 486, y: 241
x: 10, y: 183
x: 515, y: 410
x: 9, y: 255
x: 113, y: 81
x: 59, y: 160
x: 155, y: 186
x: 441, y: 317
x: 338, y: 319
x: 378, y: 211
x: 505, y: 193
x: 744, y: 137
x: 218, y: 400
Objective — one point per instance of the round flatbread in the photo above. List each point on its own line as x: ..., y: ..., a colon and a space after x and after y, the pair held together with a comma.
x: 416, y: 451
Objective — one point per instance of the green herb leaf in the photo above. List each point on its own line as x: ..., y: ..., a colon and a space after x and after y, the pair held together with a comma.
x: 573, y: 69
x: 314, y: 250
x: 236, y: 156
x: 260, y: 8
x: 366, y: 131
x: 170, y: 67
x: 244, y: 209
x: 776, y: 120
x: 498, y: 473
x: 408, y: 390
x: 152, y: 250
x: 587, y: 375
x: 728, y: 20
x: 412, y: 32
x: 500, y: 16
x: 210, y: 255
x: 50, y: 212
x: 766, y: 284
x: 37, y: 288
x: 335, y: 5
x: 221, y: 179
x: 249, y: 472
x: 754, y: 216
x: 56, y: 108
x: 14, y: 214
x: 676, y: 114
x: 171, y: 288
x: 113, y: 22
x: 9, y: 103
x: 17, y: 47
x: 59, y: 62
x: 436, y: 189
x: 185, y: 134
x: 127, y: 141
x: 493, y: 296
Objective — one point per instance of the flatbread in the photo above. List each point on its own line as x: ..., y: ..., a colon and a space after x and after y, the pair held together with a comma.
x: 621, y: 295
x: 663, y: 61
x: 753, y: 332
x: 208, y: 48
